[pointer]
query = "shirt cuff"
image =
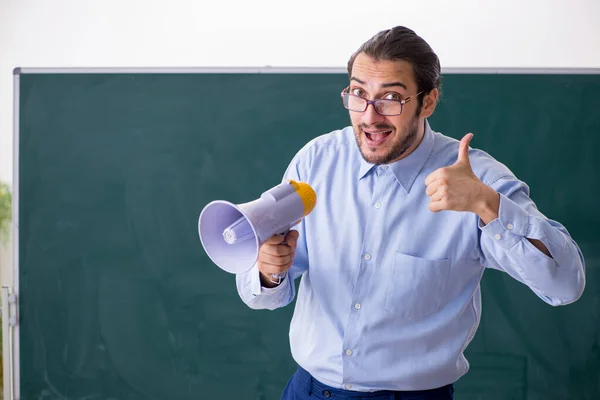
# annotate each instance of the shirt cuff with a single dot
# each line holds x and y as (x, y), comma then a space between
(257, 289)
(511, 225)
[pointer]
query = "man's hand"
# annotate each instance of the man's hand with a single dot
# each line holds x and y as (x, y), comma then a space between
(275, 257)
(457, 188)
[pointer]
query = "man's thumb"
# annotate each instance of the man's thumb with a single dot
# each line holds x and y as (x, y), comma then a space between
(463, 149)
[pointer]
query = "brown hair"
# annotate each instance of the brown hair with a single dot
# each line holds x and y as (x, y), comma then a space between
(401, 43)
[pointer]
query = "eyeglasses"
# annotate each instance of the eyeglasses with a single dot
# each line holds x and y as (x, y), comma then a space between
(385, 107)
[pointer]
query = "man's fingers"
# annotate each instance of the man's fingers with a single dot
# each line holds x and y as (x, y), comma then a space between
(431, 177)
(438, 195)
(278, 250)
(436, 206)
(292, 238)
(438, 174)
(273, 269)
(463, 149)
(432, 188)
(276, 260)
(275, 239)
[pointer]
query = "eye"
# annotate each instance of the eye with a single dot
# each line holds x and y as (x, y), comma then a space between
(357, 92)
(392, 96)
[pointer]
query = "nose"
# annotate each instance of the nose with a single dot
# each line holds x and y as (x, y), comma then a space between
(371, 117)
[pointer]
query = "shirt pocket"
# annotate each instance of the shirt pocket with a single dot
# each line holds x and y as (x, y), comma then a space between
(416, 286)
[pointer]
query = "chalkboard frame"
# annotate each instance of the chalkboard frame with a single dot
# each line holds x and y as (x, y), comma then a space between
(11, 364)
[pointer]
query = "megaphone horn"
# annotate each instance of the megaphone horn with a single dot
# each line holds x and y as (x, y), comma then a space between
(232, 234)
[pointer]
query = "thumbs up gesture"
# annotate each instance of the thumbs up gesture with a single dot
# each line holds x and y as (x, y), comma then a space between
(457, 188)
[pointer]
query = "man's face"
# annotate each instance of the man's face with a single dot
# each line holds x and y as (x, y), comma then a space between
(384, 139)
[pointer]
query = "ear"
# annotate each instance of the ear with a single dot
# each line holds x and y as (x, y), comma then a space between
(429, 102)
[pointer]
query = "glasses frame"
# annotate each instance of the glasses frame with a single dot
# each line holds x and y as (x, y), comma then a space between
(374, 102)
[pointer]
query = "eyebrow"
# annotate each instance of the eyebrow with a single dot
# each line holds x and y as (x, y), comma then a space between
(383, 85)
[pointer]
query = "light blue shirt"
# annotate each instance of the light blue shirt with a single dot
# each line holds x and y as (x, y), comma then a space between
(390, 292)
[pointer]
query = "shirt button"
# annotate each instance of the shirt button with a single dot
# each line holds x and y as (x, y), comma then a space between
(348, 386)
(348, 352)
(384, 167)
(326, 393)
(497, 236)
(377, 205)
(509, 226)
(357, 306)
(367, 256)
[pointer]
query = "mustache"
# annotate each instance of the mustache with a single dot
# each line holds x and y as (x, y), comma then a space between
(376, 127)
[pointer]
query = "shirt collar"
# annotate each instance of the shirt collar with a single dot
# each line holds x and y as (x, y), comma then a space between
(406, 169)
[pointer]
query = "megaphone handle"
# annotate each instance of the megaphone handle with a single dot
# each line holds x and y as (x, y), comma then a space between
(277, 278)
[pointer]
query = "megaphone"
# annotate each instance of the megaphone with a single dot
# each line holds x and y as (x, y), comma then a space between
(232, 234)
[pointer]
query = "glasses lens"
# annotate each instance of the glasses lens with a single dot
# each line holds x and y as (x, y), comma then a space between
(388, 107)
(354, 103)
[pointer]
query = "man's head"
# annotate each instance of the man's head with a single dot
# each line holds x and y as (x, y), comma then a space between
(395, 64)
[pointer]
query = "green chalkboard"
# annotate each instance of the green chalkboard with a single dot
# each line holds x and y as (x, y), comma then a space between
(118, 299)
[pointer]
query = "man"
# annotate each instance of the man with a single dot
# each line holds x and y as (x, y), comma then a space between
(406, 221)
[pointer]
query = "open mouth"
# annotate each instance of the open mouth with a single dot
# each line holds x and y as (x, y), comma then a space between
(376, 138)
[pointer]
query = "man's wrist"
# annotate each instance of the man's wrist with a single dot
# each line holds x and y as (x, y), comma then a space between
(489, 205)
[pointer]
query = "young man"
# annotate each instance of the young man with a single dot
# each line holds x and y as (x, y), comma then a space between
(406, 221)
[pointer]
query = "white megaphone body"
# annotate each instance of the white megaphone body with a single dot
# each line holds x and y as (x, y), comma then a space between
(232, 234)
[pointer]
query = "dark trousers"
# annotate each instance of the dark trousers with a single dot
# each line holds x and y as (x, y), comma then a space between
(302, 386)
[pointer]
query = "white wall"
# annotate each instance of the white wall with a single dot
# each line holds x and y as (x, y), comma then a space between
(139, 33)
(465, 33)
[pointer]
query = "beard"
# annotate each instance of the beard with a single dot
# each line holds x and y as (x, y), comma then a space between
(397, 149)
